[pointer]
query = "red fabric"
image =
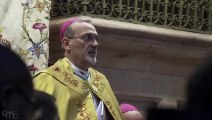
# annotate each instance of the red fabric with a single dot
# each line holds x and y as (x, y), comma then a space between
(65, 25)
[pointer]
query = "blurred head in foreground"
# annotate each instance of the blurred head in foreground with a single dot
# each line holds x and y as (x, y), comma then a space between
(16, 87)
(130, 112)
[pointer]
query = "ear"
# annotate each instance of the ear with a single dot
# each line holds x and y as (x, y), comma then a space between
(5, 94)
(66, 43)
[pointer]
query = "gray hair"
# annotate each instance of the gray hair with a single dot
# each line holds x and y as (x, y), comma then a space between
(69, 32)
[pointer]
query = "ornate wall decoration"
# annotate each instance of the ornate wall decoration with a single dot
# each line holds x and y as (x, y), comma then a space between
(25, 25)
(189, 15)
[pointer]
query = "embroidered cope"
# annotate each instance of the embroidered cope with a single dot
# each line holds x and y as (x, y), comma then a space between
(78, 99)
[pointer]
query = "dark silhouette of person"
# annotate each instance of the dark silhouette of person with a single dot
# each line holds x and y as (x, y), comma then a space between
(16, 87)
(199, 92)
(44, 107)
(198, 104)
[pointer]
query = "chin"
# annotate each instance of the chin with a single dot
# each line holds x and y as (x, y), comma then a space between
(91, 60)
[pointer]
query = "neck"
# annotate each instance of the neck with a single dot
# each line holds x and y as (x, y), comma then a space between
(80, 65)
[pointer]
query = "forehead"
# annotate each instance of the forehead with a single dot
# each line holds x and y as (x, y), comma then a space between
(83, 27)
(133, 114)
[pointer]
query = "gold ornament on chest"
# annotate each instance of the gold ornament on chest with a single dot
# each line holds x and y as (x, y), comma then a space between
(68, 78)
(81, 111)
(57, 69)
(98, 84)
(86, 88)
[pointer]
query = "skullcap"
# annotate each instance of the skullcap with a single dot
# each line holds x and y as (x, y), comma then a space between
(127, 107)
(66, 25)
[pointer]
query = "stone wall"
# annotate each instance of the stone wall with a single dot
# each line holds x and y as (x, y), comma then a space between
(146, 66)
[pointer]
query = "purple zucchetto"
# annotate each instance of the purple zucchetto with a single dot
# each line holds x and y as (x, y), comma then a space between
(65, 25)
(127, 107)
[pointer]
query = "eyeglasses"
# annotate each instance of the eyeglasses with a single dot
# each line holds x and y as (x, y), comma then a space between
(87, 37)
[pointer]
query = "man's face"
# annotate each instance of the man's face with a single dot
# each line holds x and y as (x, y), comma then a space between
(83, 45)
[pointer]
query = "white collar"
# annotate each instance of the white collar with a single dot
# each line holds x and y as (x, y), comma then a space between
(81, 73)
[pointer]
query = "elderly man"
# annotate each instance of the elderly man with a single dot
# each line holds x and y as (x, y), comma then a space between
(81, 92)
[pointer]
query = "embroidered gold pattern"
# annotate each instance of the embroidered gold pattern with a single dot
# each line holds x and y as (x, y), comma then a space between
(81, 109)
(74, 83)
(67, 76)
(56, 69)
(97, 77)
(111, 109)
(86, 88)
(94, 88)
(98, 82)
(70, 79)
(40, 6)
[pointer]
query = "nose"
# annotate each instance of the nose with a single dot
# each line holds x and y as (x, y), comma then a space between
(95, 43)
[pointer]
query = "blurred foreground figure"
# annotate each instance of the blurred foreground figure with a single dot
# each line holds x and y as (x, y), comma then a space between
(199, 98)
(44, 107)
(16, 88)
(130, 112)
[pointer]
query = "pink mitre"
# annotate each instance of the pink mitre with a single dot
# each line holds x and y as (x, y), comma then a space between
(65, 25)
(127, 107)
